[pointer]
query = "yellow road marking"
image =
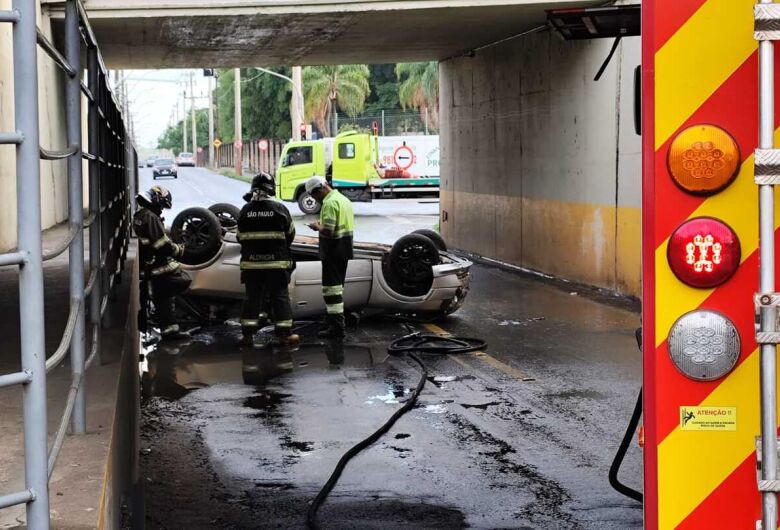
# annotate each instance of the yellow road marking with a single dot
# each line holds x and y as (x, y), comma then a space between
(492, 361)
(697, 59)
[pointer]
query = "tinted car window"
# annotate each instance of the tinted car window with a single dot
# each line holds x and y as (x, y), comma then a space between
(185, 155)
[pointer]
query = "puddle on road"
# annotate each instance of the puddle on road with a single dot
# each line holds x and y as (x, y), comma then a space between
(171, 370)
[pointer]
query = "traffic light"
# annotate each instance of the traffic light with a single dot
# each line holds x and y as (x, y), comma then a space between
(208, 72)
(303, 131)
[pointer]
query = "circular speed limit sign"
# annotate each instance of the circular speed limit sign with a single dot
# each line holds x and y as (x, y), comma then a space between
(403, 157)
(263, 145)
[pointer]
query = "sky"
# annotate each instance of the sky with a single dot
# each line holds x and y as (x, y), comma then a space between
(155, 100)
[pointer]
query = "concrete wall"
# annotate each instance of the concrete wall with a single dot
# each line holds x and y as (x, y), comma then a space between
(52, 129)
(540, 164)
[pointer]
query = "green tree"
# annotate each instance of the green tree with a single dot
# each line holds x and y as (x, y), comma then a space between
(265, 105)
(328, 89)
(384, 89)
(419, 89)
(171, 137)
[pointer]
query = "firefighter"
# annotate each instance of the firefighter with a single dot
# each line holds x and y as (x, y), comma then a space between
(337, 221)
(266, 231)
(159, 255)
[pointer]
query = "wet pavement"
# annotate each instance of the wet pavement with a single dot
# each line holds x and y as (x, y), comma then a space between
(381, 221)
(518, 436)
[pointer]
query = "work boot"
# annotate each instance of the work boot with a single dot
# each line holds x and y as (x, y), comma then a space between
(173, 332)
(285, 337)
(334, 328)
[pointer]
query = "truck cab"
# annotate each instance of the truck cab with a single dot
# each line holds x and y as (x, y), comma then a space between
(347, 161)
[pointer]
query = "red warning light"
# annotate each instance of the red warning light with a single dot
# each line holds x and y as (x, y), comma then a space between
(704, 252)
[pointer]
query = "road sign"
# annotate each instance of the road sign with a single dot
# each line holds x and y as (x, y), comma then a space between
(200, 149)
(403, 158)
(263, 145)
(238, 143)
(217, 143)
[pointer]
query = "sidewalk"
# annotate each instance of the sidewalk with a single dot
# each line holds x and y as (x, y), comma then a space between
(83, 486)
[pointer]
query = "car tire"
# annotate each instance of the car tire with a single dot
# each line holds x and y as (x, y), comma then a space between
(199, 231)
(412, 259)
(227, 214)
(308, 204)
(434, 236)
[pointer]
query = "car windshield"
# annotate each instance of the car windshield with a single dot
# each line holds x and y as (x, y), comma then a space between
(164, 162)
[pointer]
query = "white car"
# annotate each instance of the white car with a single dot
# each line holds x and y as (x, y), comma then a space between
(185, 159)
(417, 275)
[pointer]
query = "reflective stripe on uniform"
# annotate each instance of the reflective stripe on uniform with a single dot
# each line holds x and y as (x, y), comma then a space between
(170, 267)
(338, 234)
(160, 242)
(284, 324)
(335, 309)
(332, 290)
(250, 322)
(255, 265)
(246, 236)
(144, 241)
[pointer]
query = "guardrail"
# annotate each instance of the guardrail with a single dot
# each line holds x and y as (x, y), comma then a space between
(112, 182)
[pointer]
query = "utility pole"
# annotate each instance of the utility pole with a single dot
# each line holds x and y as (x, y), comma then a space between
(184, 120)
(211, 125)
(192, 111)
(297, 102)
(237, 142)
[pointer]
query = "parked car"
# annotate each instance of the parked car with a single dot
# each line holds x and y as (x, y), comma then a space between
(164, 167)
(185, 159)
(416, 275)
(150, 161)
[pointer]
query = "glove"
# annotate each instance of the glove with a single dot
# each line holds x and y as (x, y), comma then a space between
(247, 196)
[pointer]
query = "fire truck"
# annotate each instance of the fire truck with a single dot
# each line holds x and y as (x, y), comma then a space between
(710, 304)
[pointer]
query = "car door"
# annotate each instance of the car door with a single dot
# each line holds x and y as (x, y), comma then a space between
(306, 287)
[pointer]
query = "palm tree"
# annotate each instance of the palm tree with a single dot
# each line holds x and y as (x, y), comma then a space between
(330, 88)
(419, 89)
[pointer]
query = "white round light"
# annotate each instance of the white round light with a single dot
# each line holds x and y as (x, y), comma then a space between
(704, 345)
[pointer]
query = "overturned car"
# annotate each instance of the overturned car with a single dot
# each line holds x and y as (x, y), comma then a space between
(416, 275)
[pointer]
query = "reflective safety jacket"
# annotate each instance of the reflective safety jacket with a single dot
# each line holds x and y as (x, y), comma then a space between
(265, 231)
(338, 218)
(158, 253)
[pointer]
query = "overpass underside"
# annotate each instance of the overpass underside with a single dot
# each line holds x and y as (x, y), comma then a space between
(233, 33)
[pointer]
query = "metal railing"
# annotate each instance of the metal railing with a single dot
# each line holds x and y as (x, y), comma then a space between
(112, 179)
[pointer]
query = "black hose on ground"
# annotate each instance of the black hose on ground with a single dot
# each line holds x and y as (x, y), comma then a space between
(414, 342)
(624, 444)
(621, 453)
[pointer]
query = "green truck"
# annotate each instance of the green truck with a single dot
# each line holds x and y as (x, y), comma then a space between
(351, 163)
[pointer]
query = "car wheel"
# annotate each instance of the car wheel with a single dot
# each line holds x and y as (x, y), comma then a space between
(308, 204)
(412, 258)
(227, 215)
(434, 236)
(199, 231)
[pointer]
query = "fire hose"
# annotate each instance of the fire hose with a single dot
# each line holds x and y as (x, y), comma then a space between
(409, 344)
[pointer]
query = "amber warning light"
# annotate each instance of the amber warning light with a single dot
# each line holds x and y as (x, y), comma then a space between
(704, 252)
(703, 159)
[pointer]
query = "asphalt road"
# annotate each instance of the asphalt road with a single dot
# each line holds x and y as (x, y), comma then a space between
(518, 436)
(381, 221)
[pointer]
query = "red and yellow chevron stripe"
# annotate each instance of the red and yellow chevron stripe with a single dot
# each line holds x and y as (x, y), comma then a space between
(699, 66)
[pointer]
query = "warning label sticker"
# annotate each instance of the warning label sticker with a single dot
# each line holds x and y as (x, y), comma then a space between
(708, 418)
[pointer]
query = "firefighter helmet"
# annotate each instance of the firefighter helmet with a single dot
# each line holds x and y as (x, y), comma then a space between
(157, 197)
(264, 182)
